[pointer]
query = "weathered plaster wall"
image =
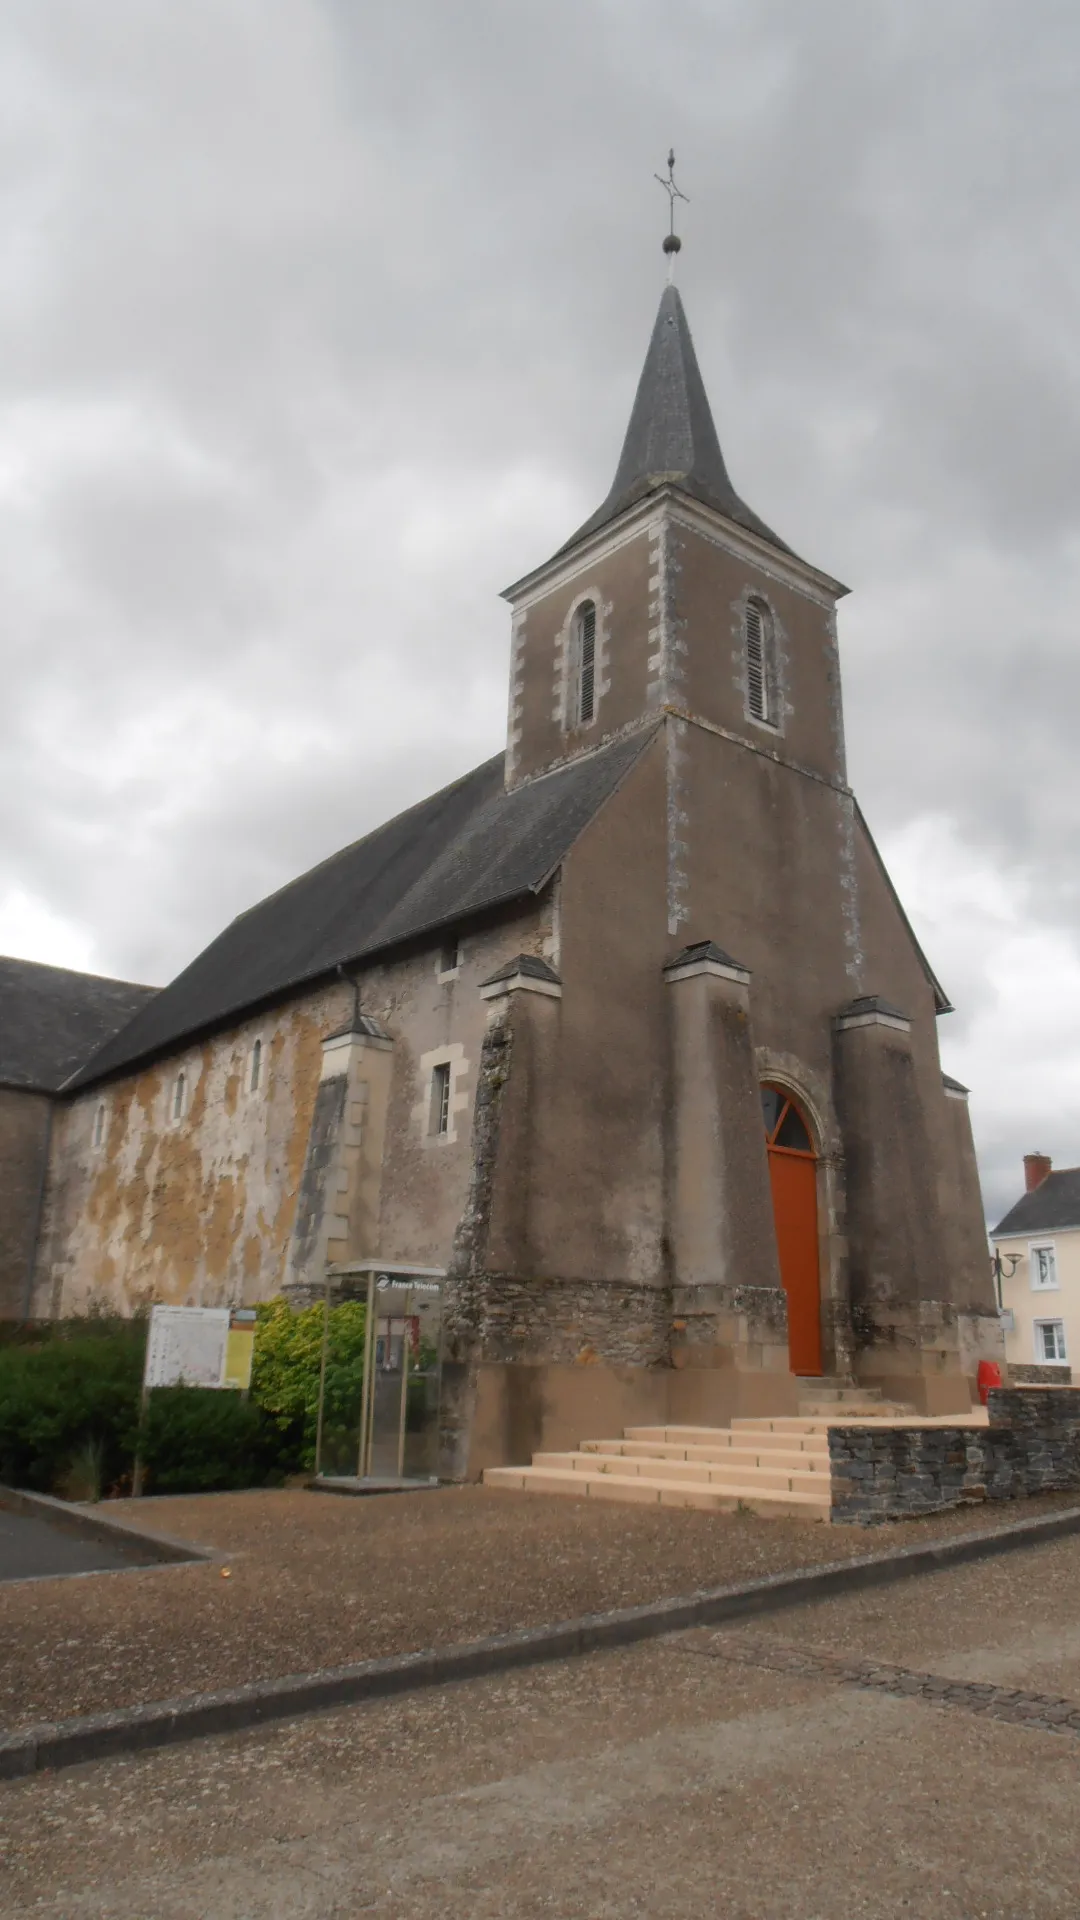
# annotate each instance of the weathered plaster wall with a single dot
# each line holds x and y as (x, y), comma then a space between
(195, 1210)
(24, 1134)
(434, 1019)
(200, 1209)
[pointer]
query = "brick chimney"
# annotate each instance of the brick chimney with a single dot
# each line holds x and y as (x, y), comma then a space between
(1036, 1168)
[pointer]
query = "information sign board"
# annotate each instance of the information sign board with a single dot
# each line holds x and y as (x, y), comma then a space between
(186, 1347)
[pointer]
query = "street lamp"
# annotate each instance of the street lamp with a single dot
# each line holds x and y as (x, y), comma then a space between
(1000, 1271)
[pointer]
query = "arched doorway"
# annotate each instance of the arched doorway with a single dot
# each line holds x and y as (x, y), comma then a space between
(793, 1178)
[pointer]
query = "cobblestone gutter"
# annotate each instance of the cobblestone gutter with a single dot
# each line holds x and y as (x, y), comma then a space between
(1032, 1445)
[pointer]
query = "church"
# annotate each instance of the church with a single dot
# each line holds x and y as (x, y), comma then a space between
(625, 1032)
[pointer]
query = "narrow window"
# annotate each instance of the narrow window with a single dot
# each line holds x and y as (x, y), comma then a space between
(1050, 1340)
(450, 954)
(178, 1097)
(1043, 1269)
(440, 1099)
(757, 661)
(256, 1066)
(586, 653)
(99, 1126)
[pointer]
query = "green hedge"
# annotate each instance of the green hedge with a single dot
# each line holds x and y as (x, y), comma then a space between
(205, 1440)
(69, 1407)
(74, 1390)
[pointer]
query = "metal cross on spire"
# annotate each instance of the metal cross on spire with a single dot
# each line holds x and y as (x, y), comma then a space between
(672, 243)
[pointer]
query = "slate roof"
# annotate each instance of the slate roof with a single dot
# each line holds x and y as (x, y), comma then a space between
(672, 438)
(528, 964)
(1055, 1203)
(471, 847)
(51, 1020)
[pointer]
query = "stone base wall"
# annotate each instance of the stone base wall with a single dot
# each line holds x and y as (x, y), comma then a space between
(1021, 1376)
(561, 1321)
(1032, 1445)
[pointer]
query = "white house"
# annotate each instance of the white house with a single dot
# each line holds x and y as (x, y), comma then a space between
(1038, 1242)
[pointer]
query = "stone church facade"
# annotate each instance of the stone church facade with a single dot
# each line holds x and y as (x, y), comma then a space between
(626, 1030)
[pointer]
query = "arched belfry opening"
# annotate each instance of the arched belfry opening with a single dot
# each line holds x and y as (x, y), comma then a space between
(793, 1180)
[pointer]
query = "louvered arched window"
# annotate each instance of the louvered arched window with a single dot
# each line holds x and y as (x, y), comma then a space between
(585, 650)
(757, 628)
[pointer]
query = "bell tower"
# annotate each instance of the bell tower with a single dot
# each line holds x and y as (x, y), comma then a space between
(674, 598)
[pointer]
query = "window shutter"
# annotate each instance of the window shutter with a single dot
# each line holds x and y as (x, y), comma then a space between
(756, 682)
(587, 643)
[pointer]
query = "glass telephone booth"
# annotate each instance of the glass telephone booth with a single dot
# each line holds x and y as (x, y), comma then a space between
(378, 1418)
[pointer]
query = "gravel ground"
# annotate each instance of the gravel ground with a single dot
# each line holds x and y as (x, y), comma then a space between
(314, 1581)
(626, 1785)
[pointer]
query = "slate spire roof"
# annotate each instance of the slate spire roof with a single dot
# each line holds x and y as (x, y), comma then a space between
(672, 438)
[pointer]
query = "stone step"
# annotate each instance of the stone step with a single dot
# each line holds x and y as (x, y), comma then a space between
(850, 1410)
(736, 1472)
(813, 1438)
(837, 1390)
(658, 1491)
(789, 1425)
(811, 1458)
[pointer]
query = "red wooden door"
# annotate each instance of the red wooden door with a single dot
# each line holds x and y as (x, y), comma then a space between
(793, 1178)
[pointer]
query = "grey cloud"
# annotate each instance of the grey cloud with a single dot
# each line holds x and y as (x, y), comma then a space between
(321, 320)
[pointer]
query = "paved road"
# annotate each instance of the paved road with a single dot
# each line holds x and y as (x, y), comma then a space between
(761, 1774)
(30, 1547)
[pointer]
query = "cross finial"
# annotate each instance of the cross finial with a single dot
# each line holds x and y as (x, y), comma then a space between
(672, 243)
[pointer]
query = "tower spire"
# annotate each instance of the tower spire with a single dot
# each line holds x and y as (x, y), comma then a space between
(671, 439)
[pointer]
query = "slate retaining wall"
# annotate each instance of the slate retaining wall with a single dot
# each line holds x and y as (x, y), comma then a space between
(1032, 1445)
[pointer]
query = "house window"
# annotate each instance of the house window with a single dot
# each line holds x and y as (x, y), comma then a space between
(757, 628)
(450, 954)
(585, 660)
(179, 1095)
(256, 1067)
(1043, 1265)
(99, 1126)
(440, 1099)
(1049, 1341)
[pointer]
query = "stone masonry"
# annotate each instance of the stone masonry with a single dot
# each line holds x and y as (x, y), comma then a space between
(1032, 1445)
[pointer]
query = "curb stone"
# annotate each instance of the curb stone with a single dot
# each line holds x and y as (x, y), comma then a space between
(68, 1518)
(163, 1723)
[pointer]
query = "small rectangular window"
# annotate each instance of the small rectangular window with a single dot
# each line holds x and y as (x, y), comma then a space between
(99, 1126)
(1043, 1262)
(1050, 1341)
(256, 1067)
(450, 954)
(179, 1090)
(440, 1099)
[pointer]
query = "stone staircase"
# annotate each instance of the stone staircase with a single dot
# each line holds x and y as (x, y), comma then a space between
(770, 1465)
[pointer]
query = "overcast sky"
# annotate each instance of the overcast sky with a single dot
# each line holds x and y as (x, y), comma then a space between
(320, 321)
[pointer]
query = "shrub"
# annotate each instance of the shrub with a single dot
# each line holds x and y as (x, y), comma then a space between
(285, 1377)
(205, 1440)
(70, 1391)
(69, 1407)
